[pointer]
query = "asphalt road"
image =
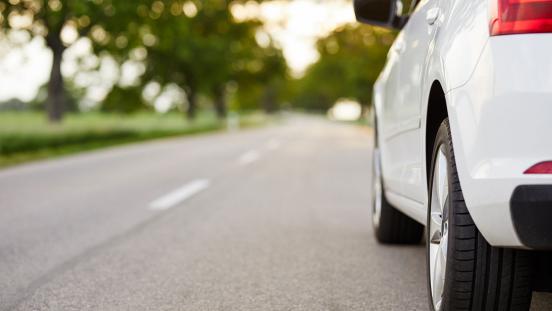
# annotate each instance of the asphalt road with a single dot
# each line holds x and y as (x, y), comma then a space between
(267, 219)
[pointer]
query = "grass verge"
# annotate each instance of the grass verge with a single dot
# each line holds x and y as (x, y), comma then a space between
(27, 136)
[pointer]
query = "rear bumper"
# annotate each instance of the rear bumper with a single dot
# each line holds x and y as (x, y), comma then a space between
(501, 121)
(531, 209)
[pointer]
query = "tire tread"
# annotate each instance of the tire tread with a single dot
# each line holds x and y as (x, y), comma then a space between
(480, 277)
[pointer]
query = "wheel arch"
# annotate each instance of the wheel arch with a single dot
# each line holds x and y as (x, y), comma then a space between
(436, 113)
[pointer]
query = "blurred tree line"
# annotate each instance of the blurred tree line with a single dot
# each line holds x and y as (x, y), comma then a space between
(198, 48)
(194, 45)
(351, 58)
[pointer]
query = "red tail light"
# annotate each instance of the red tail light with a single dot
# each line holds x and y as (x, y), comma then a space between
(521, 16)
(540, 168)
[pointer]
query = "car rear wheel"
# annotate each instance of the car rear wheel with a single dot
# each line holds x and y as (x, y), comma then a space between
(390, 225)
(464, 271)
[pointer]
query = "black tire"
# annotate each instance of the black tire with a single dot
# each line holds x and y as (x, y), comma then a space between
(392, 226)
(477, 275)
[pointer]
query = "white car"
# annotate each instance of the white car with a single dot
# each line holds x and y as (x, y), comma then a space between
(463, 113)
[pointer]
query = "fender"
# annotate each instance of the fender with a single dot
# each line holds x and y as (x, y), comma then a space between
(460, 49)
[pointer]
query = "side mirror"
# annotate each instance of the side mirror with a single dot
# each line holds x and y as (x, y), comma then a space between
(382, 13)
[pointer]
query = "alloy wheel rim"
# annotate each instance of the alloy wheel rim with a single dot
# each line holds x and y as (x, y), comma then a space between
(376, 190)
(438, 228)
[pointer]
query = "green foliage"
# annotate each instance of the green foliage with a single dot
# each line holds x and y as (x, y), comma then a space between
(351, 59)
(24, 132)
(28, 135)
(196, 45)
(73, 94)
(124, 100)
(48, 19)
(263, 85)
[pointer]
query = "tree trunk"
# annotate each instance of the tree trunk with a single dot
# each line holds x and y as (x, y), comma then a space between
(220, 102)
(192, 105)
(55, 103)
(269, 99)
(365, 107)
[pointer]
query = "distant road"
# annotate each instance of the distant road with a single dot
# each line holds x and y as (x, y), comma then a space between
(267, 219)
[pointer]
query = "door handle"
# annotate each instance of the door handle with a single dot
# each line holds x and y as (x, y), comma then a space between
(398, 47)
(432, 15)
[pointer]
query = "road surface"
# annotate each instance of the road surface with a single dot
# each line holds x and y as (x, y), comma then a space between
(267, 219)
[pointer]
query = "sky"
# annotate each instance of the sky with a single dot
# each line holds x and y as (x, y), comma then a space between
(295, 26)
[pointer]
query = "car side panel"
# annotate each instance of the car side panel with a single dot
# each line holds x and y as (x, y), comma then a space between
(419, 42)
(452, 58)
(388, 115)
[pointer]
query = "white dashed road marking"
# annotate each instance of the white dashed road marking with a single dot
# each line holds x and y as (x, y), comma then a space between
(179, 195)
(249, 157)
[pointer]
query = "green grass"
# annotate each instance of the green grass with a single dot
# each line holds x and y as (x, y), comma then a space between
(26, 136)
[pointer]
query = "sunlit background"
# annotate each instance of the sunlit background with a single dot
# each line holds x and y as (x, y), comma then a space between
(294, 25)
(207, 61)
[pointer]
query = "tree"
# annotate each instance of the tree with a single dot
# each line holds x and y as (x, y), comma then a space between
(124, 100)
(351, 59)
(196, 45)
(50, 19)
(262, 80)
(199, 46)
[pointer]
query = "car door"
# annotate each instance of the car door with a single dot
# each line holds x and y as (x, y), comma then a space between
(419, 34)
(390, 117)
